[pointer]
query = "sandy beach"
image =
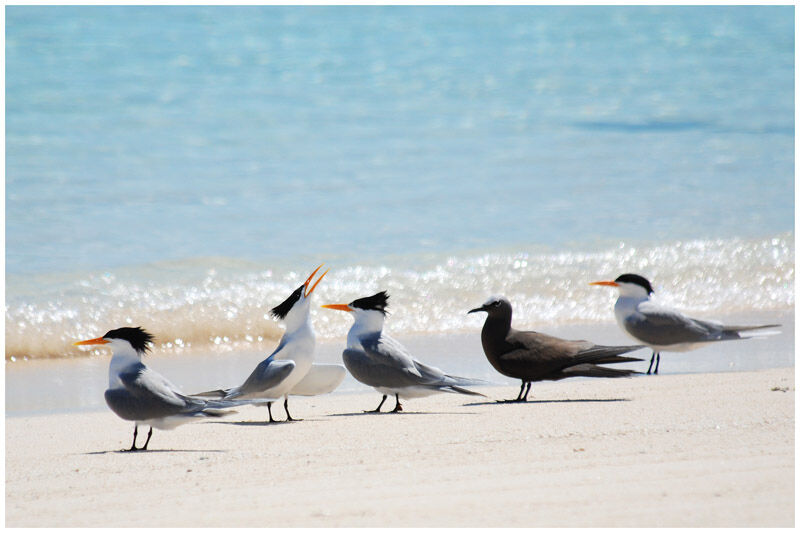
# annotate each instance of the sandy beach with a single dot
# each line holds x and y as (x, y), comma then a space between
(675, 450)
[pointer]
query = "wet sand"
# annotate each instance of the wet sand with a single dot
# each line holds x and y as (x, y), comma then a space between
(711, 449)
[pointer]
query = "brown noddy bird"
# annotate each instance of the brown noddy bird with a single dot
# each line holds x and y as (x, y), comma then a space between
(532, 356)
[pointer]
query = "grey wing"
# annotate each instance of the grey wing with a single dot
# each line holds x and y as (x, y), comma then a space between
(145, 394)
(268, 374)
(660, 326)
(382, 364)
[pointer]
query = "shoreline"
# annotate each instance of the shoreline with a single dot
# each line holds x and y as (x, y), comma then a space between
(77, 385)
(668, 450)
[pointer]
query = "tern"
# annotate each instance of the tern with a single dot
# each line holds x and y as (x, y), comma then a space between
(142, 395)
(377, 360)
(531, 356)
(661, 328)
(290, 369)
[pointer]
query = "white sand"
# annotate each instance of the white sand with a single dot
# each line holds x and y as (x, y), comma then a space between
(675, 450)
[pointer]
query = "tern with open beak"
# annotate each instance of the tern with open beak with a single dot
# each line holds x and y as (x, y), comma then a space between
(290, 370)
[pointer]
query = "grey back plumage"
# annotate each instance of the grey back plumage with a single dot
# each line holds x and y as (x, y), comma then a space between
(658, 326)
(267, 374)
(384, 362)
(146, 395)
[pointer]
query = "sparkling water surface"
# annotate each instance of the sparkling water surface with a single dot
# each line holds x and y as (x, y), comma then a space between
(182, 168)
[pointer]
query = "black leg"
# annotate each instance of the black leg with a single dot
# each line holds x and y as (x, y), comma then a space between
(286, 408)
(397, 407)
(378, 409)
(658, 361)
(269, 408)
(521, 388)
(133, 447)
(525, 398)
(651, 364)
(149, 434)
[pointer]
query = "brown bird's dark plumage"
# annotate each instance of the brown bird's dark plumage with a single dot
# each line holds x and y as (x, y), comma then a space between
(531, 356)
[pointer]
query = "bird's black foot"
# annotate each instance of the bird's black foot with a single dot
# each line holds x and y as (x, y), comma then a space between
(288, 416)
(378, 409)
(397, 407)
(658, 362)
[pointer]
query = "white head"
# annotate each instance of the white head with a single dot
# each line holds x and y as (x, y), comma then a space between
(630, 286)
(132, 342)
(368, 313)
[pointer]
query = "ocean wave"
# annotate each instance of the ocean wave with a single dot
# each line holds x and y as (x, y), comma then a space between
(223, 303)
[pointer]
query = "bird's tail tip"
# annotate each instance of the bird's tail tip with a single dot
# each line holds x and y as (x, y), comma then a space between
(215, 412)
(462, 390)
(219, 393)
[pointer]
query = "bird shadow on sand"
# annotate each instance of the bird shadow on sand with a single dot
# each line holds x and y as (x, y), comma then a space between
(137, 452)
(259, 423)
(573, 400)
(402, 413)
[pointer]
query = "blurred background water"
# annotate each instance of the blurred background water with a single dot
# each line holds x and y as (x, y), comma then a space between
(182, 168)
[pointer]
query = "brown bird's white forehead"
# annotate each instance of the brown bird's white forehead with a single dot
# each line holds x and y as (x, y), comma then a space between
(636, 279)
(280, 311)
(137, 337)
(376, 302)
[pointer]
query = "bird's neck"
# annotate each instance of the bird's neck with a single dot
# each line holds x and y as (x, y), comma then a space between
(298, 342)
(296, 322)
(120, 360)
(366, 323)
(493, 337)
(629, 302)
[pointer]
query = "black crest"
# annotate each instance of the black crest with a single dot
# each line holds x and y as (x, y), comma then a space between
(636, 279)
(139, 338)
(283, 309)
(376, 302)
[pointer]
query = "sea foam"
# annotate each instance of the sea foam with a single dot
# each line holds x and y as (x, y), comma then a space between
(223, 304)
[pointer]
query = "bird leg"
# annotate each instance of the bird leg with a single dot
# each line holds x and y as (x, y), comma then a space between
(397, 407)
(521, 388)
(149, 434)
(269, 408)
(520, 397)
(658, 361)
(651, 364)
(133, 447)
(378, 409)
(286, 408)
(525, 398)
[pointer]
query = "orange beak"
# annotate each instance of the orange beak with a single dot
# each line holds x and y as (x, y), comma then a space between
(98, 340)
(338, 307)
(605, 283)
(308, 281)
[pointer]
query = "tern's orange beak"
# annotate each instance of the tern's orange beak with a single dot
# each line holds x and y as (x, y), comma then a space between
(605, 283)
(98, 340)
(308, 281)
(338, 307)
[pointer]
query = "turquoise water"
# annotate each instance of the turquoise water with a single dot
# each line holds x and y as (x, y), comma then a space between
(188, 165)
